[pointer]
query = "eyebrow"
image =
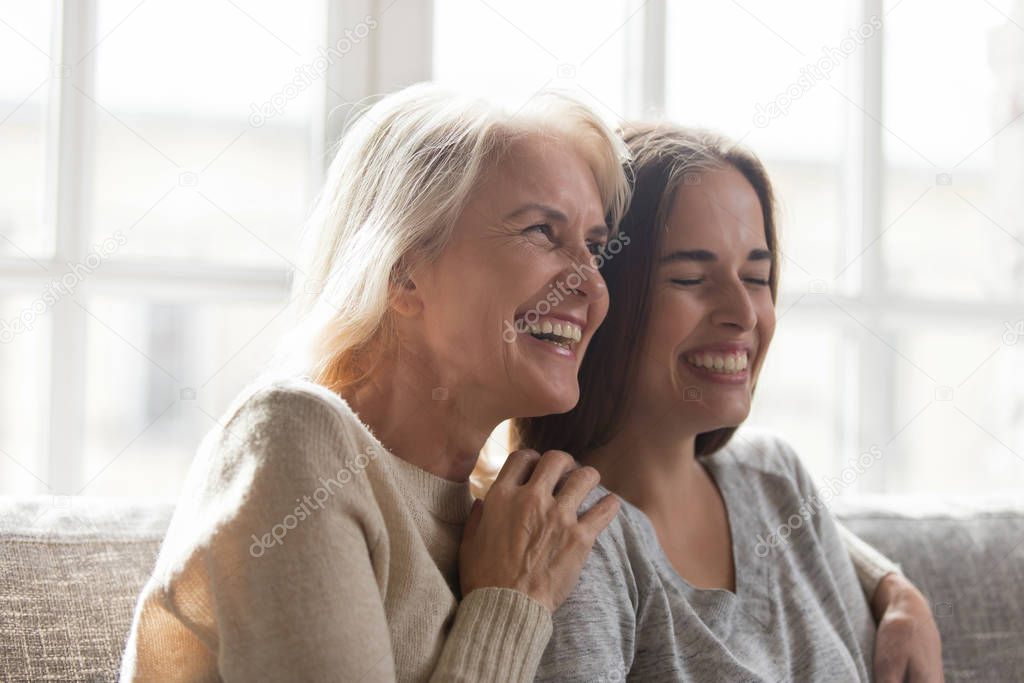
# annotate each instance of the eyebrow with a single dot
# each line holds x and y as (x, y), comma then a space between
(703, 255)
(553, 214)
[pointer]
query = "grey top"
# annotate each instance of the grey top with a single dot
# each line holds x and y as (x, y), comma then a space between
(798, 613)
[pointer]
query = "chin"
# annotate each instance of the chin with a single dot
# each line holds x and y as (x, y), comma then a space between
(554, 403)
(724, 417)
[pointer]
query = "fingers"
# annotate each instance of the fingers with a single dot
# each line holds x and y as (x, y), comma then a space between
(533, 512)
(598, 517)
(555, 473)
(517, 468)
(577, 484)
(551, 467)
(473, 521)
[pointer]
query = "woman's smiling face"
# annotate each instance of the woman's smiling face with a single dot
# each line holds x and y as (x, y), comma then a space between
(520, 253)
(712, 315)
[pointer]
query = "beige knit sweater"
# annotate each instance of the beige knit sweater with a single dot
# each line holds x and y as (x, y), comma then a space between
(302, 549)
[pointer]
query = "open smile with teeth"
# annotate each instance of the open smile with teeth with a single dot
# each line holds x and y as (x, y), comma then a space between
(724, 363)
(559, 332)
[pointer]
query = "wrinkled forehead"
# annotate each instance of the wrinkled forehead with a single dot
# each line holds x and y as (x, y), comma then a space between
(541, 169)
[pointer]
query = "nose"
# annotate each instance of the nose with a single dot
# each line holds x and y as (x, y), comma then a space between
(734, 308)
(582, 276)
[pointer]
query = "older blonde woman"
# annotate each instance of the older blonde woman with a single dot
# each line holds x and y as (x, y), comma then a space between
(318, 535)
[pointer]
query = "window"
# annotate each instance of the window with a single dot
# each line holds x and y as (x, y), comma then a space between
(509, 51)
(150, 231)
(895, 151)
(896, 158)
(157, 168)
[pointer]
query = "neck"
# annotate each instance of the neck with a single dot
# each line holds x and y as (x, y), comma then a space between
(651, 463)
(423, 418)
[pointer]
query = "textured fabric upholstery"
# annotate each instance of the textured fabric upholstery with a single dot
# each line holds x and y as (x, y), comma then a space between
(968, 559)
(70, 572)
(71, 569)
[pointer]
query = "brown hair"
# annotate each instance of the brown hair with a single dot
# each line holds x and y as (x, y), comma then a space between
(664, 157)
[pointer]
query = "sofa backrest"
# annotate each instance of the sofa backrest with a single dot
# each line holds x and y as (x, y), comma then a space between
(967, 557)
(71, 569)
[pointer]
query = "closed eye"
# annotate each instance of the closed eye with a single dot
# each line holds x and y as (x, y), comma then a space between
(751, 280)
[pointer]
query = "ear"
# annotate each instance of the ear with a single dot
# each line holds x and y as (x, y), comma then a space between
(406, 299)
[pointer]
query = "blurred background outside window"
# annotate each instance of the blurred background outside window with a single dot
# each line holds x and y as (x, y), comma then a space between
(157, 161)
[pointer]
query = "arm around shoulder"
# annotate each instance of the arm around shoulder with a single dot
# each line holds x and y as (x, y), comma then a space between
(871, 565)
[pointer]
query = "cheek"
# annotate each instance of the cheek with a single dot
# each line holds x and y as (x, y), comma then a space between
(598, 312)
(766, 323)
(475, 300)
(673, 320)
(461, 303)
(765, 333)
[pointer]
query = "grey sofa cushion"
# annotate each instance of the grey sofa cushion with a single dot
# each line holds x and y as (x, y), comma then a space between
(968, 559)
(70, 571)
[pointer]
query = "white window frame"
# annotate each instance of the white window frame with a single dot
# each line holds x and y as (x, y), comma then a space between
(862, 303)
(396, 54)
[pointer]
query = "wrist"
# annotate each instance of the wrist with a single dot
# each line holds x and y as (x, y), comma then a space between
(525, 587)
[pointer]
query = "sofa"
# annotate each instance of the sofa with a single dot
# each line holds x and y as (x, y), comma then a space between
(71, 568)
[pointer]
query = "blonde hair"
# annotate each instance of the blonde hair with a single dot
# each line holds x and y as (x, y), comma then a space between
(402, 175)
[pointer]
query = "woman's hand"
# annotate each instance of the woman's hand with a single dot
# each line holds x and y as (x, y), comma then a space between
(907, 643)
(527, 535)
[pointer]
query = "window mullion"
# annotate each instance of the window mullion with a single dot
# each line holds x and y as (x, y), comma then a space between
(655, 71)
(875, 417)
(644, 56)
(68, 201)
(396, 51)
